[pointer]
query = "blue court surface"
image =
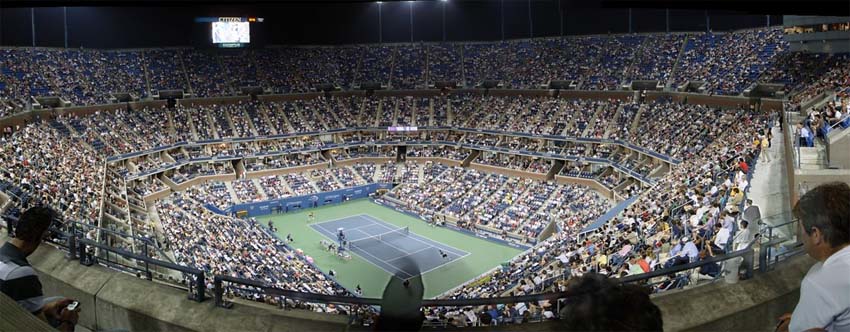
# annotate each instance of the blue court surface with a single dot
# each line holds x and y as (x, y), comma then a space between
(404, 255)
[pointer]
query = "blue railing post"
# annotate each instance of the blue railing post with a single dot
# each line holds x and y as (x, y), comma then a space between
(200, 285)
(218, 292)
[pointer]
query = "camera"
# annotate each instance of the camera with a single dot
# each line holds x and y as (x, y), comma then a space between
(73, 306)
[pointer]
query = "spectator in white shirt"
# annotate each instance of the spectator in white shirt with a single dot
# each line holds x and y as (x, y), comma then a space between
(742, 238)
(824, 214)
(721, 237)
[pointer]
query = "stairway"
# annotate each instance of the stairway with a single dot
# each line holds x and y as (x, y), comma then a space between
(670, 79)
(256, 183)
(636, 121)
(612, 125)
(230, 191)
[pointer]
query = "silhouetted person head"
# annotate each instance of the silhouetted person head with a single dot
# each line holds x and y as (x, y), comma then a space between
(602, 304)
(32, 228)
(402, 300)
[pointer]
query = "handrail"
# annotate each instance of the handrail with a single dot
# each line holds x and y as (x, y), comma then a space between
(783, 224)
(768, 246)
(146, 240)
(199, 284)
(218, 288)
(683, 267)
(838, 123)
(796, 149)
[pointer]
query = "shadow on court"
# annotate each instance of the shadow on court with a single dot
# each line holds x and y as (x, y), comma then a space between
(401, 302)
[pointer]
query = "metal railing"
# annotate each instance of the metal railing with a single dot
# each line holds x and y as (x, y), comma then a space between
(196, 282)
(79, 249)
(76, 226)
(743, 253)
(772, 240)
(240, 285)
(82, 249)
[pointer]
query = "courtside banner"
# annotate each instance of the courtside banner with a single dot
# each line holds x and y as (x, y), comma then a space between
(291, 204)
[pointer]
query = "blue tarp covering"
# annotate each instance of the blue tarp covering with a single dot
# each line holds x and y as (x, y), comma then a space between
(610, 214)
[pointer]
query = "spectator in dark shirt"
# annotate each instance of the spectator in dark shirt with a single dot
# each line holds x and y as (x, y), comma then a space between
(18, 279)
(600, 304)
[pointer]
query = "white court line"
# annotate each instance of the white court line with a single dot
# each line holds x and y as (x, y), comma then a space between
(444, 264)
(355, 228)
(459, 252)
(430, 245)
(385, 242)
(410, 254)
(337, 219)
(320, 224)
(381, 223)
(373, 256)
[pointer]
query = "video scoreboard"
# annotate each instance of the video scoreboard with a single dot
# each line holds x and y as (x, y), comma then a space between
(229, 32)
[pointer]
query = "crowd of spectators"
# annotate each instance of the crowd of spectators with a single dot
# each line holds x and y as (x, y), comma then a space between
(728, 63)
(444, 64)
(797, 70)
(300, 184)
(206, 74)
(375, 65)
(211, 242)
(648, 235)
(246, 191)
(48, 162)
(40, 165)
(408, 67)
(655, 58)
(437, 152)
(836, 78)
(681, 130)
(275, 187)
(165, 70)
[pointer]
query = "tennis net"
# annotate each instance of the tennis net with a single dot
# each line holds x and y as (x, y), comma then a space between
(396, 233)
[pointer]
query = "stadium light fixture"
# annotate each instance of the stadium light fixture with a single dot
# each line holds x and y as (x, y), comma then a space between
(444, 0)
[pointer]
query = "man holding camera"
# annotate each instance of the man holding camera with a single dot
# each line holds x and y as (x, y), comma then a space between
(18, 279)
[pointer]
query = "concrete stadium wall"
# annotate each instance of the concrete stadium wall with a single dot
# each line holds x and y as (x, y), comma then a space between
(507, 171)
(210, 101)
(813, 178)
(772, 105)
(601, 189)
(750, 305)
(789, 163)
(13, 317)
(702, 99)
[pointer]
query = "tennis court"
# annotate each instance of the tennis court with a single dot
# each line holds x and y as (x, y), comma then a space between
(396, 250)
(468, 256)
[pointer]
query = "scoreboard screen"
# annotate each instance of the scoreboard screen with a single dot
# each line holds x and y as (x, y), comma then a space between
(229, 32)
(401, 129)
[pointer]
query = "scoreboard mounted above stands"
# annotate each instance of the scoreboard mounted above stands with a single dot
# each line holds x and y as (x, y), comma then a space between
(402, 129)
(229, 19)
(229, 32)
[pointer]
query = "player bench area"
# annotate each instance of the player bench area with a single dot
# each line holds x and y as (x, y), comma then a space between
(397, 251)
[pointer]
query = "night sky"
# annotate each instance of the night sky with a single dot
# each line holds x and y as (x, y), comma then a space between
(345, 23)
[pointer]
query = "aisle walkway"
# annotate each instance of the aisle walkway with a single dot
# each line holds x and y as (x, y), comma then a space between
(769, 188)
